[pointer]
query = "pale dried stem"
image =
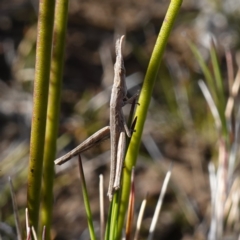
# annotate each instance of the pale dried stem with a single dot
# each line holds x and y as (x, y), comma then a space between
(140, 218)
(159, 204)
(101, 201)
(34, 233)
(233, 94)
(211, 105)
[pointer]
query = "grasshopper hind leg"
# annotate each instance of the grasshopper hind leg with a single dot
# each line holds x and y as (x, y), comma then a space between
(120, 159)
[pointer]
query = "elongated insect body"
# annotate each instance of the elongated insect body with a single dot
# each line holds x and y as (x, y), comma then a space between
(117, 130)
(118, 124)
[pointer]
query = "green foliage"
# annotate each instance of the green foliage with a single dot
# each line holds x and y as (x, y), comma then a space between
(41, 85)
(214, 81)
(59, 33)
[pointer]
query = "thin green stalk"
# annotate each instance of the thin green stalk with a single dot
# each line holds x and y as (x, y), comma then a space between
(144, 101)
(115, 214)
(215, 82)
(217, 75)
(41, 83)
(219, 89)
(59, 35)
(108, 225)
(208, 75)
(86, 201)
(130, 214)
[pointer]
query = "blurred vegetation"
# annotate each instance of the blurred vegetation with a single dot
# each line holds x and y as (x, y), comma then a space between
(179, 127)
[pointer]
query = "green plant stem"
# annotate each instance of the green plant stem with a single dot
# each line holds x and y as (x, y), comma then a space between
(59, 35)
(86, 201)
(219, 89)
(115, 214)
(214, 82)
(207, 74)
(108, 225)
(41, 83)
(144, 101)
(217, 75)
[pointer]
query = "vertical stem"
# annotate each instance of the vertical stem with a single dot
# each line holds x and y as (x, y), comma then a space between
(59, 34)
(144, 101)
(101, 201)
(86, 200)
(130, 214)
(41, 83)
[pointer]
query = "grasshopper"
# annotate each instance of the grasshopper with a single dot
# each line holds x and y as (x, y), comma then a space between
(118, 125)
(117, 129)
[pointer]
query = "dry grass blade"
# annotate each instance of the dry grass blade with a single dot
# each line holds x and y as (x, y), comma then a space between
(159, 204)
(130, 208)
(140, 218)
(101, 200)
(230, 71)
(29, 235)
(28, 229)
(234, 91)
(218, 183)
(232, 205)
(211, 104)
(221, 191)
(213, 182)
(232, 159)
(44, 233)
(34, 233)
(16, 216)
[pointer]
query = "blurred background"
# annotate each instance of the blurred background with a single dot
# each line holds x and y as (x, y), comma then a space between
(179, 127)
